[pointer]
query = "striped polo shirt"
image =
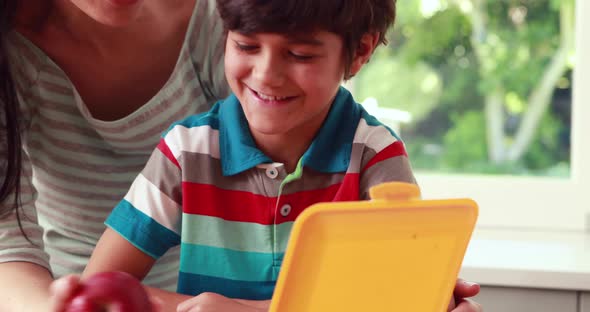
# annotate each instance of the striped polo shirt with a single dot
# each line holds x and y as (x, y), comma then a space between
(77, 168)
(209, 189)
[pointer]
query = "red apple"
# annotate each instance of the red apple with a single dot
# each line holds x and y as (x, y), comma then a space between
(110, 292)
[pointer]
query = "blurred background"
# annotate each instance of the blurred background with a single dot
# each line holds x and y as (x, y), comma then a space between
(477, 86)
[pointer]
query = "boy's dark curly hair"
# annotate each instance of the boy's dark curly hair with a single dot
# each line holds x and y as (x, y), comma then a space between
(350, 19)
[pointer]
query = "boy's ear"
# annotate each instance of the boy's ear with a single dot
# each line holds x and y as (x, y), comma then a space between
(367, 45)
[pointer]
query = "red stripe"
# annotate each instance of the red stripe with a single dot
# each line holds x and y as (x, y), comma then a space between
(393, 150)
(349, 189)
(163, 147)
(241, 206)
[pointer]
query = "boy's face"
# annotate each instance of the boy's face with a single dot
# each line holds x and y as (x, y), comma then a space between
(285, 84)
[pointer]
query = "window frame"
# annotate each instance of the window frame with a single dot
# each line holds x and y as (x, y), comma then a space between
(535, 202)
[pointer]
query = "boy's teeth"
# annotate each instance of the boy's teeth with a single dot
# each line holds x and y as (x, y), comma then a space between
(271, 98)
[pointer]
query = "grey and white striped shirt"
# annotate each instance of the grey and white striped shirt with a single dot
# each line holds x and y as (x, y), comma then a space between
(78, 168)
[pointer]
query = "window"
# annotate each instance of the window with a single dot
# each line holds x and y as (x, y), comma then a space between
(497, 92)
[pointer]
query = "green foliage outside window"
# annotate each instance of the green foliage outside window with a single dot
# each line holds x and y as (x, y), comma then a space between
(488, 84)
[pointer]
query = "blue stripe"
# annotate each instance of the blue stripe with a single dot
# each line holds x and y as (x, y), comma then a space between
(236, 145)
(230, 264)
(140, 230)
(330, 150)
(194, 284)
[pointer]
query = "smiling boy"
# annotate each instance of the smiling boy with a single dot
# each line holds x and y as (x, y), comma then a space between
(227, 185)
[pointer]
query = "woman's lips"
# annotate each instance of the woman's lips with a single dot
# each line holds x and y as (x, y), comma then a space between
(124, 2)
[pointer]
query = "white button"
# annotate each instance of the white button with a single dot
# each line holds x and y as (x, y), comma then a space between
(272, 172)
(285, 210)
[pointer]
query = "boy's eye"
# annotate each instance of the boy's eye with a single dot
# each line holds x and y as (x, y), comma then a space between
(245, 47)
(301, 57)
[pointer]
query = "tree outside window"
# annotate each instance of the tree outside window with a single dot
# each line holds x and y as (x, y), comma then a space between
(487, 83)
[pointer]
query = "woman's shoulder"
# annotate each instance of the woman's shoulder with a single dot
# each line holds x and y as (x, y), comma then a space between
(205, 44)
(26, 59)
(205, 29)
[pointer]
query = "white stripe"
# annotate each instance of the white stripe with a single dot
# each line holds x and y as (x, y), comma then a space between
(200, 140)
(374, 137)
(148, 199)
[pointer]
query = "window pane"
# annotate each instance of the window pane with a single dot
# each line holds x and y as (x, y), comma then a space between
(477, 86)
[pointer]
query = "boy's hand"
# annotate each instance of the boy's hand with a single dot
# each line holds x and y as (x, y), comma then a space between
(211, 302)
(464, 290)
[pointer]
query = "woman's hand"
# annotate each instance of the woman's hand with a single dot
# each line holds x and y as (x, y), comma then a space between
(459, 301)
(63, 289)
(211, 302)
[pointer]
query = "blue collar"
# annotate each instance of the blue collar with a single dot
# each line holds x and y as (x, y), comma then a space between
(329, 152)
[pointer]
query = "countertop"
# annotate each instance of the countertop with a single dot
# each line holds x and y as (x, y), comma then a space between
(530, 259)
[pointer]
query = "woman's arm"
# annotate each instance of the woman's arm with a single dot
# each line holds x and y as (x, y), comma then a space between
(23, 262)
(24, 287)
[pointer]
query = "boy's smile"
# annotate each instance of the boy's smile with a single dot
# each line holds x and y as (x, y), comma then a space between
(271, 99)
(285, 84)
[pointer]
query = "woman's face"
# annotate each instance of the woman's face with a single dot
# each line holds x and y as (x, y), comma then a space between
(110, 12)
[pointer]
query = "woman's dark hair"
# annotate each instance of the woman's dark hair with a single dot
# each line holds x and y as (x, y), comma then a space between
(350, 19)
(9, 131)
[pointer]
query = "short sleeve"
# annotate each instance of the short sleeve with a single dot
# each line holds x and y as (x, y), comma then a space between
(14, 244)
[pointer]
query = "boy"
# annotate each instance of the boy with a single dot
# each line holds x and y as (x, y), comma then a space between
(227, 185)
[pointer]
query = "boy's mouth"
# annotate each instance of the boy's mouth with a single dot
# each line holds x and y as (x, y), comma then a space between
(270, 97)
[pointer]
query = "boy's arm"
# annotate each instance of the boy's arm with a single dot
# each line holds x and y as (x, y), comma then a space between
(145, 224)
(215, 302)
(114, 253)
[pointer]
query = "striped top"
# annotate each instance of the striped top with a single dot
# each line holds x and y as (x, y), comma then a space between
(209, 189)
(77, 168)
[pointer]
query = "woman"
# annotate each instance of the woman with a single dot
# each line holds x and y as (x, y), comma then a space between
(97, 82)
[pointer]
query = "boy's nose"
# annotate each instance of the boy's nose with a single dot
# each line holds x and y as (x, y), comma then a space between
(270, 70)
